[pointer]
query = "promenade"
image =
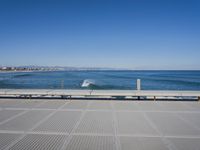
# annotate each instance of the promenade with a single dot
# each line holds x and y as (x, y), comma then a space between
(99, 125)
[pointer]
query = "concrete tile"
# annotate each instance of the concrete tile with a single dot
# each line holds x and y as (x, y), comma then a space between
(6, 139)
(194, 105)
(171, 125)
(125, 105)
(10, 103)
(40, 142)
(76, 104)
(134, 123)
(96, 122)
(6, 114)
(149, 105)
(193, 118)
(105, 105)
(186, 143)
(28, 103)
(142, 143)
(25, 121)
(175, 106)
(61, 121)
(51, 104)
(83, 142)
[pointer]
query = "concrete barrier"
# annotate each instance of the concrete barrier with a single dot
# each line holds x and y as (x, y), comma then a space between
(99, 93)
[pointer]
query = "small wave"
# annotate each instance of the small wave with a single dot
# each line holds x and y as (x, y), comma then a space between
(88, 83)
(22, 75)
(92, 84)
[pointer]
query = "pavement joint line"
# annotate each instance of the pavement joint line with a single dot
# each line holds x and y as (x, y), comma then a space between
(15, 141)
(17, 109)
(152, 123)
(168, 139)
(97, 134)
(104, 110)
(66, 103)
(115, 125)
(93, 134)
(99, 110)
(44, 119)
(71, 109)
(88, 105)
(26, 132)
(29, 109)
(159, 136)
(75, 110)
(74, 128)
(168, 143)
(33, 109)
(13, 132)
(185, 136)
(78, 109)
(139, 135)
(47, 133)
(15, 116)
(33, 132)
(61, 107)
(160, 111)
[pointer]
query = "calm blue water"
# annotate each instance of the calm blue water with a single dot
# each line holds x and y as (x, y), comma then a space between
(151, 80)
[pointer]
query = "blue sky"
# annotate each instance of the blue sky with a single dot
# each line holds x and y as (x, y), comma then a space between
(135, 34)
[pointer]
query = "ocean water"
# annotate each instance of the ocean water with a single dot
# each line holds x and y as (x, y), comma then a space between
(150, 80)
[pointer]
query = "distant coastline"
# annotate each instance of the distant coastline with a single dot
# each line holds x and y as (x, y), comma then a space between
(6, 69)
(19, 69)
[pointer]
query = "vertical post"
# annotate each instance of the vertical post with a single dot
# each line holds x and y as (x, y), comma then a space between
(138, 86)
(154, 98)
(199, 98)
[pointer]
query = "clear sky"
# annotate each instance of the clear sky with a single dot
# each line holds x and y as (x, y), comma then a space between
(135, 34)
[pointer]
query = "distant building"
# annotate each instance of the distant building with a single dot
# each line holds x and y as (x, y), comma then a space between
(6, 68)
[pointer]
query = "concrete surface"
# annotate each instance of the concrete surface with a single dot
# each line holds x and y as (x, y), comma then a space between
(68, 92)
(99, 125)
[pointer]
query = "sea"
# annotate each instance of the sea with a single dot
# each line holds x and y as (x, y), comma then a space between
(102, 80)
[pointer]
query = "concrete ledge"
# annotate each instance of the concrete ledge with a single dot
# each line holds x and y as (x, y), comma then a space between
(99, 93)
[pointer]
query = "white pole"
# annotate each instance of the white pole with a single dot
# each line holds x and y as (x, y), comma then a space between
(138, 84)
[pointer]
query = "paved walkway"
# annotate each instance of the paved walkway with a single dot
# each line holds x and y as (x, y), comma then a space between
(99, 125)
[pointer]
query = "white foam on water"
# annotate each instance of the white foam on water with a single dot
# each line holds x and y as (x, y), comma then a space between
(87, 83)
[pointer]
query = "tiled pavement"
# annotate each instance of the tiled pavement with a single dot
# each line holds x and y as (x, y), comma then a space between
(99, 125)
